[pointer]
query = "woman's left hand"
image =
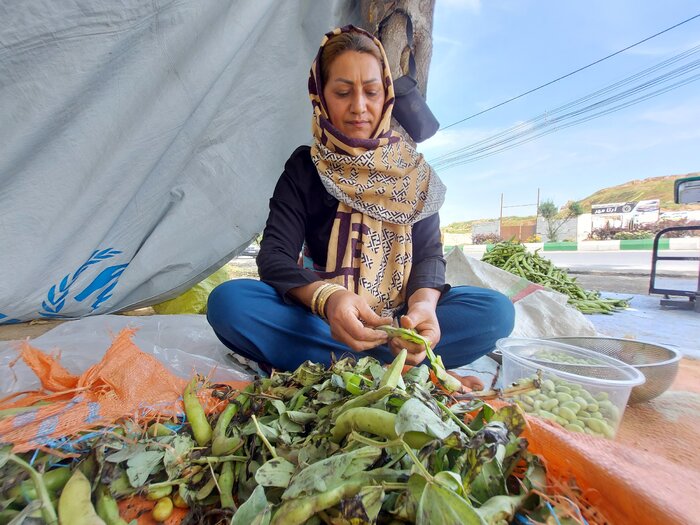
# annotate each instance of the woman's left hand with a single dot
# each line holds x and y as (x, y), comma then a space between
(422, 318)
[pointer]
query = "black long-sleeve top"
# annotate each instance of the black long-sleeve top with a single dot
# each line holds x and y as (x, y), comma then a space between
(302, 210)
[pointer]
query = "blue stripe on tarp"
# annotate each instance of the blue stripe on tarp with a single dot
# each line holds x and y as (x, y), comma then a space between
(24, 419)
(4, 319)
(93, 412)
(47, 427)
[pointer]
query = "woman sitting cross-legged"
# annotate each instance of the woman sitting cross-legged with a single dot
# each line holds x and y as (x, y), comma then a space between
(362, 205)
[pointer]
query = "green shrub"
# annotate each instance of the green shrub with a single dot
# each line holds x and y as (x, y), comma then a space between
(486, 238)
(631, 235)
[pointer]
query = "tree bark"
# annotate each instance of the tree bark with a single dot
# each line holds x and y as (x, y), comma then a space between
(393, 37)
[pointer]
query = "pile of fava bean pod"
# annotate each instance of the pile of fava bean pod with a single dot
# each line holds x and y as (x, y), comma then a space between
(354, 443)
(514, 258)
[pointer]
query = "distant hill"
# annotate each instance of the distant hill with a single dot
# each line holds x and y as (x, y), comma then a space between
(466, 226)
(635, 190)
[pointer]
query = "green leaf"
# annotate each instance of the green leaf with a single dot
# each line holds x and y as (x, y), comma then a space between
(337, 382)
(302, 418)
(328, 397)
(309, 373)
(417, 374)
(126, 453)
(416, 486)
(175, 455)
(276, 472)
(255, 511)
(286, 425)
(439, 506)
(512, 417)
(489, 482)
(492, 434)
(482, 418)
(330, 472)
(466, 407)
(279, 406)
(363, 507)
(414, 416)
(267, 430)
(406, 506)
(501, 509)
(140, 466)
(5, 453)
(317, 451)
(450, 480)
(376, 370)
(372, 498)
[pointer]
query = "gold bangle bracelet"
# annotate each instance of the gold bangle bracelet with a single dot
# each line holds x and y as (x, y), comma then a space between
(314, 298)
(325, 295)
(321, 307)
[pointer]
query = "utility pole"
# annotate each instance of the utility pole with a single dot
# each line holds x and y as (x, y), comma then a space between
(500, 218)
(537, 213)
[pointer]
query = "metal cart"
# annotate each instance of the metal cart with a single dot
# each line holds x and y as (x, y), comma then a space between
(686, 191)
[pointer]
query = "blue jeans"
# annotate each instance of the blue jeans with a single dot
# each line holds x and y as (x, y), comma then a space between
(250, 318)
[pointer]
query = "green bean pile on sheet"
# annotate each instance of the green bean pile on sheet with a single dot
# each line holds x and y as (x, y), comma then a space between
(514, 258)
(357, 443)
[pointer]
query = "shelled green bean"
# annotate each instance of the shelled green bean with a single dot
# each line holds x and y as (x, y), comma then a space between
(514, 258)
(573, 407)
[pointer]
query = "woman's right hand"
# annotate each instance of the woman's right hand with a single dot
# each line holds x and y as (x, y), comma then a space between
(351, 319)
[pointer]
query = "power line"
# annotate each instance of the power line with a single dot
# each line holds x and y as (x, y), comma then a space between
(572, 73)
(506, 145)
(440, 159)
(549, 123)
(483, 153)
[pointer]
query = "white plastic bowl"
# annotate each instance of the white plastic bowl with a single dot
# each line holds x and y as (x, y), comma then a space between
(582, 390)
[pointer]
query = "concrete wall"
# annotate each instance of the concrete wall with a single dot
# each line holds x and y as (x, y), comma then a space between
(485, 228)
(456, 239)
(583, 227)
(568, 230)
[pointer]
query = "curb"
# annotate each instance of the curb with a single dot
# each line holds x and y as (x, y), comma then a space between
(632, 272)
(684, 243)
(564, 246)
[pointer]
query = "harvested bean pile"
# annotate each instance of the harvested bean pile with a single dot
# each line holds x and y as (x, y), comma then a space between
(514, 258)
(355, 443)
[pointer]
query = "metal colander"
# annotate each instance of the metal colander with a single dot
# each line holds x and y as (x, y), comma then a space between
(659, 364)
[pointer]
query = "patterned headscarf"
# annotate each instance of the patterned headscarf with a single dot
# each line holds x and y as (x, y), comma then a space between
(383, 187)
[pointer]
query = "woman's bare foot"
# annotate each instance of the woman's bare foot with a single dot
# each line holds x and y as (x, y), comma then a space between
(469, 383)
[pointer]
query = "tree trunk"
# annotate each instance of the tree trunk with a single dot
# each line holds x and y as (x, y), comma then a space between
(393, 37)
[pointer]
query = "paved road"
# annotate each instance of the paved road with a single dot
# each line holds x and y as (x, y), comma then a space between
(628, 271)
(620, 272)
(625, 271)
(624, 261)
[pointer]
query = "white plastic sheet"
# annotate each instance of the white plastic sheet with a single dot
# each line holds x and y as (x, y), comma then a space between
(140, 142)
(185, 344)
(541, 313)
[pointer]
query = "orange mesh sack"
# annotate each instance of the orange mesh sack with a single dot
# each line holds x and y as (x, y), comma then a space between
(627, 485)
(125, 383)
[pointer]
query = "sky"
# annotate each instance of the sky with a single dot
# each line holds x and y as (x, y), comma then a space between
(487, 51)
